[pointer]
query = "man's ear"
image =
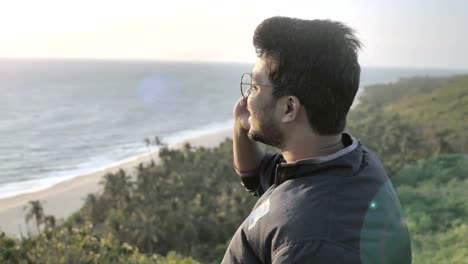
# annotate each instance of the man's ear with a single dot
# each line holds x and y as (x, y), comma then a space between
(291, 108)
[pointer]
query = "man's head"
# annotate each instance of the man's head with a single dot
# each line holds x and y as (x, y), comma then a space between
(310, 74)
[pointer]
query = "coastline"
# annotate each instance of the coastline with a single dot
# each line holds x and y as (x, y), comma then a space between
(65, 198)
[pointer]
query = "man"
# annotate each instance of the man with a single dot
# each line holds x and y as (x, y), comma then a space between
(324, 198)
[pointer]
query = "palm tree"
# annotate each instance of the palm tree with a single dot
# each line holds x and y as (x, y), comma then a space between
(117, 188)
(147, 141)
(158, 142)
(34, 210)
(94, 211)
(49, 221)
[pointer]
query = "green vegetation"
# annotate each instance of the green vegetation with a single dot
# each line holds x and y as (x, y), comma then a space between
(435, 202)
(78, 245)
(418, 128)
(192, 203)
(440, 115)
(413, 119)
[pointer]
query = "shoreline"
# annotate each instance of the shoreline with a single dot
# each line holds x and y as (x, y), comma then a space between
(66, 197)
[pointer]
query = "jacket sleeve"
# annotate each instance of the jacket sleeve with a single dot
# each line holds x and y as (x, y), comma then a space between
(260, 179)
(314, 252)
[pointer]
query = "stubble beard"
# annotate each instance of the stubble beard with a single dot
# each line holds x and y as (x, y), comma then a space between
(268, 132)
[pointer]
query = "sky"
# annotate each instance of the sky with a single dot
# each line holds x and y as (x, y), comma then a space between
(422, 34)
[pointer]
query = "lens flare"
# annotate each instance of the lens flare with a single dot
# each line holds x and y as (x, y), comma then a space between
(158, 91)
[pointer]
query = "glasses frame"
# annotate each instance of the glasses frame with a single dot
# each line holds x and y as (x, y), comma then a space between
(248, 90)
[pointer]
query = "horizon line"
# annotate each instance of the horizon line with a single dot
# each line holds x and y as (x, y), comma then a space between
(213, 62)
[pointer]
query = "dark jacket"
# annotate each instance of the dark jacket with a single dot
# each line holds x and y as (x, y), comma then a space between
(340, 208)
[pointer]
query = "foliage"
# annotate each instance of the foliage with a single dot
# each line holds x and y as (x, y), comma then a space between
(383, 94)
(434, 198)
(439, 116)
(394, 140)
(77, 245)
(412, 119)
(190, 201)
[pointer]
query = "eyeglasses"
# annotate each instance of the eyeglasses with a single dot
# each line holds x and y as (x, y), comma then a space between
(246, 84)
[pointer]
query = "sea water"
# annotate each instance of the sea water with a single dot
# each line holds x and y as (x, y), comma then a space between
(62, 118)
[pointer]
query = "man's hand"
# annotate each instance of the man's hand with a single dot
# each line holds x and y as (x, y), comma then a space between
(247, 154)
(241, 114)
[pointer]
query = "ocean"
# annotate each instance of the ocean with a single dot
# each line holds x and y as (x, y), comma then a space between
(63, 118)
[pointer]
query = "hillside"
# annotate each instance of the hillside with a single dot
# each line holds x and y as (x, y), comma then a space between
(192, 203)
(441, 113)
(413, 118)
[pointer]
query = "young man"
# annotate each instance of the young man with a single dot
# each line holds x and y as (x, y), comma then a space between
(324, 198)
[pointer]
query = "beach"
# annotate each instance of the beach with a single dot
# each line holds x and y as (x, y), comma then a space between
(66, 123)
(65, 198)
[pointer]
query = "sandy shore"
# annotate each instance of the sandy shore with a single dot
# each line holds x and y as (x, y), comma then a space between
(63, 199)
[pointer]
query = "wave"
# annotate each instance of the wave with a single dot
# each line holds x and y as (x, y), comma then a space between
(102, 162)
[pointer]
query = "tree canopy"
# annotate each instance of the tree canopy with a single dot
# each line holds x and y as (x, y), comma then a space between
(186, 208)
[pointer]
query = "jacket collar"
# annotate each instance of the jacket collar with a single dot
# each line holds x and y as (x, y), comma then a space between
(344, 162)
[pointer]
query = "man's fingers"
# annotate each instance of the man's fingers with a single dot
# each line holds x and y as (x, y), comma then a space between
(244, 121)
(242, 102)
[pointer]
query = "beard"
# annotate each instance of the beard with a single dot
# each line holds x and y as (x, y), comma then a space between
(267, 132)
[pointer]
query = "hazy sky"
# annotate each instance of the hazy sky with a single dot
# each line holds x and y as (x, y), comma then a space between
(412, 33)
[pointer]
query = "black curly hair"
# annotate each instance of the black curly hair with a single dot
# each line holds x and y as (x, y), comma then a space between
(315, 60)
